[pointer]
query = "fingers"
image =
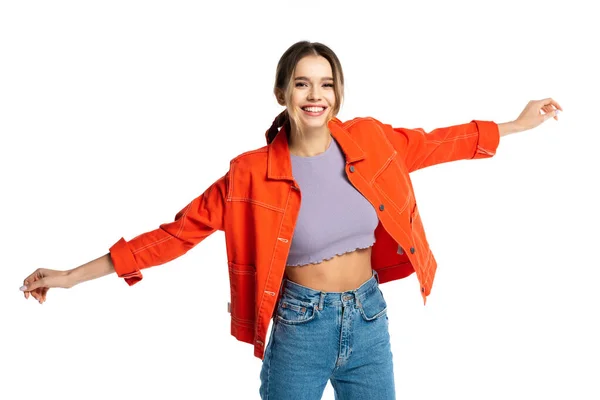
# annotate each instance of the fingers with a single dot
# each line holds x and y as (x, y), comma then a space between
(553, 113)
(24, 288)
(36, 285)
(44, 292)
(547, 102)
(33, 285)
(34, 293)
(37, 293)
(549, 111)
(549, 106)
(28, 290)
(31, 277)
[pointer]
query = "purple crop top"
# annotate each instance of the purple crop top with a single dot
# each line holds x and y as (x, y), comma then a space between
(334, 217)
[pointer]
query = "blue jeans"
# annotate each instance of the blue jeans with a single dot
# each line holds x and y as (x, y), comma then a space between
(338, 336)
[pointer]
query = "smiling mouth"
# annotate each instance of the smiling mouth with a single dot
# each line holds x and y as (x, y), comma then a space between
(314, 111)
(314, 108)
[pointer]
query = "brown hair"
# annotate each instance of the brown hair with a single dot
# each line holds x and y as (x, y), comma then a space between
(284, 82)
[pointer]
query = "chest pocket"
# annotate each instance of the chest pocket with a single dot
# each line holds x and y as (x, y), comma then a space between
(250, 187)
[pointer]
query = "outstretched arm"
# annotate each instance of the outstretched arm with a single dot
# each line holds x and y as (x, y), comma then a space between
(196, 221)
(200, 218)
(476, 139)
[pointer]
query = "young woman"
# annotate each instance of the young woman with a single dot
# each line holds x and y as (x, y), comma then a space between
(313, 223)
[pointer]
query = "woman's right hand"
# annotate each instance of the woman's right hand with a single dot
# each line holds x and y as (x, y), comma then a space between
(41, 280)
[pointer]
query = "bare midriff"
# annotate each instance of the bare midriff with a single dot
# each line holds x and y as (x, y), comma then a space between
(339, 274)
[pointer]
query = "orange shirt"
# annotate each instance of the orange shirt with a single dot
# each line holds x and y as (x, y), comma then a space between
(256, 204)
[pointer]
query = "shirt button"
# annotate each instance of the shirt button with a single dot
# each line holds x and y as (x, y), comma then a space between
(381, 207)
(352, 168)
(412, 250)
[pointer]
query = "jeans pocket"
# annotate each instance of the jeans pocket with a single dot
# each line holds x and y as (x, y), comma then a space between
(293, 312)
(373, 305)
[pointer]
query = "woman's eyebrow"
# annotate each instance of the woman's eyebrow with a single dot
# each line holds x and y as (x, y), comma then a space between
(306, 79)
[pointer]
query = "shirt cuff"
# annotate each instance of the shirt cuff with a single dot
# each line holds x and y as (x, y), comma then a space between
(124, 263)
(488, 140)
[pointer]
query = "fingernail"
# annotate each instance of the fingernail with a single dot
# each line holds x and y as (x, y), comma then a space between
(23, 288)
(557, 112)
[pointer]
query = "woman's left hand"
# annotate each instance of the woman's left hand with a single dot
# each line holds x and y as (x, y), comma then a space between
(532, 116)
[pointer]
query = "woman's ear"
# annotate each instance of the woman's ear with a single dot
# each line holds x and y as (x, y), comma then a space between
(280, 97)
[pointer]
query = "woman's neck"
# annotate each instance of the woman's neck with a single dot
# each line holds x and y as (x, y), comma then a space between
(311, 143)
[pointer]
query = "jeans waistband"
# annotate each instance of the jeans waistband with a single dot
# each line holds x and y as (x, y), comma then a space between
(305, 294)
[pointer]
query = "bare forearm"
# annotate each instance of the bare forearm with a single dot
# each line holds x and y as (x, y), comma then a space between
(506, 128)
(94, 269)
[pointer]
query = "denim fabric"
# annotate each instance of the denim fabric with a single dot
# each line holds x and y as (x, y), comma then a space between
(320, 336)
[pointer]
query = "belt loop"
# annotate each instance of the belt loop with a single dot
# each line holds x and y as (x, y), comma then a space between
(321, 300)
(356, 299)
(376, 275)
(281, 286)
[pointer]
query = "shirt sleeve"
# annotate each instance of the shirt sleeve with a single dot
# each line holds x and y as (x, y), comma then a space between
(200, 218)
(420, 149)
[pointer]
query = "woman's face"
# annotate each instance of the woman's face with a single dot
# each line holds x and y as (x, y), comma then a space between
(313, 95)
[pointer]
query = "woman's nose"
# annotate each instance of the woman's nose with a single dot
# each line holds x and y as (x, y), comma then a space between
(314, 94)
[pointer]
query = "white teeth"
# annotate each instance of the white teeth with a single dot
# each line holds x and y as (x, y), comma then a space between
(313, 109)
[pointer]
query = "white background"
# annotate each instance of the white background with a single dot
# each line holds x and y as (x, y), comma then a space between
(115, 114)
